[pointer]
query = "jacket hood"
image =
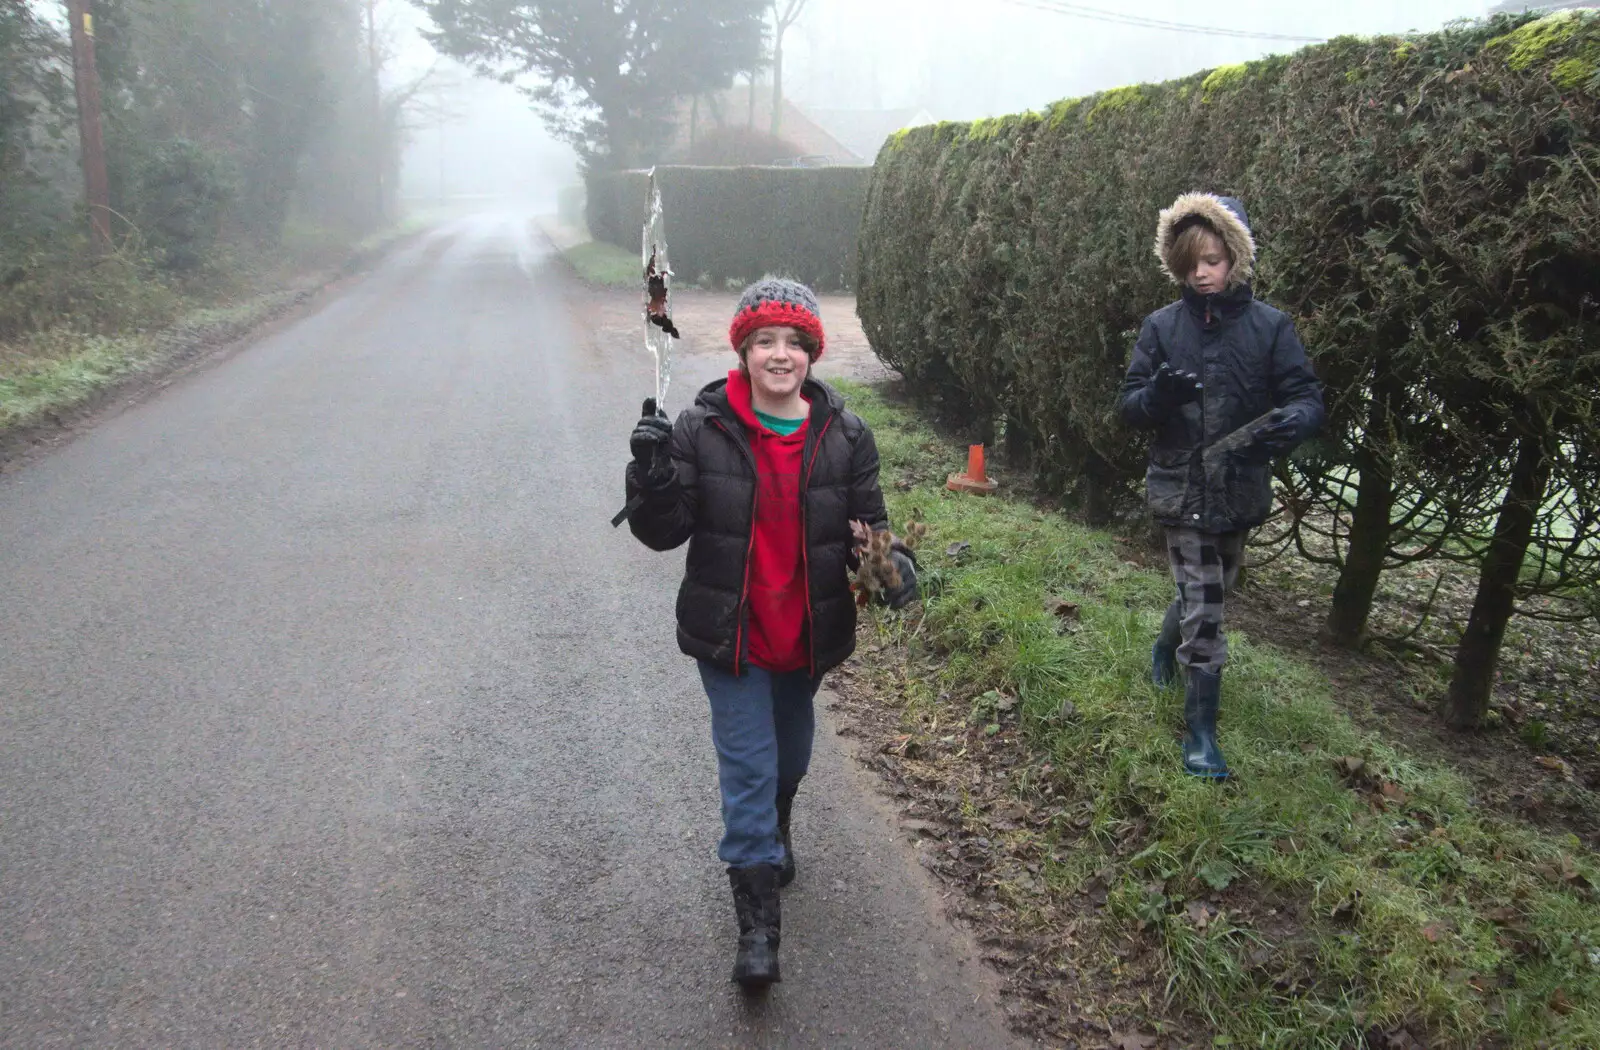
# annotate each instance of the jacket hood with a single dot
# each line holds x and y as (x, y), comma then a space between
(1224, 216)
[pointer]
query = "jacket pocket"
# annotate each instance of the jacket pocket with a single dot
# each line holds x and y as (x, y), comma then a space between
(1247, 489)
(1166, 481)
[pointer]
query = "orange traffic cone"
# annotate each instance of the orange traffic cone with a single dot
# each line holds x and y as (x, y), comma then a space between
(974, 480)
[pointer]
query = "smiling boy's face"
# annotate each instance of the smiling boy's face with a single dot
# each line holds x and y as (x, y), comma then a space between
(778, 362)
(1211, 264)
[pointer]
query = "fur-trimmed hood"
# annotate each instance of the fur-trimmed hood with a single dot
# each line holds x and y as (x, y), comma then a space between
(1225, 216)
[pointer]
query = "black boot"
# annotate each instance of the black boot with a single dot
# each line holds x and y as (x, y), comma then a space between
(755, 898)
(1201, 698)
(786, 873)
(1164, 654)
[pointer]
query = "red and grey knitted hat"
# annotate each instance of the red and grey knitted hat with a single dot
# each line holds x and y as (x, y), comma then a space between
(776, 302)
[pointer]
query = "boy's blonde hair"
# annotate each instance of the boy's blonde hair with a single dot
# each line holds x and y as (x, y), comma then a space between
(1185, 253)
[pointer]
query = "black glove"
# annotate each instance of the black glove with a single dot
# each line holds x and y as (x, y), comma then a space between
(1279, 435)
(905, 564)
(649, 443)
(1170, 389)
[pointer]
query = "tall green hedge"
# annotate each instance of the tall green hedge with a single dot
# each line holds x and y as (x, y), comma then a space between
(737, 224)
(1401, 188)
(1427, 208)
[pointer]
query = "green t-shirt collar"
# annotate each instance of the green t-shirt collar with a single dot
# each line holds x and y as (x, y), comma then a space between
(781, 427)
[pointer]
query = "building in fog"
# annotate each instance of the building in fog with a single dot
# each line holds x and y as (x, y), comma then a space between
(864, 131)
(813, 136)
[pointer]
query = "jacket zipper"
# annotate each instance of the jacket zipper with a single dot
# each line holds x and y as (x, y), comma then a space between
(744, 587)
(1205, 481)
(805, 548)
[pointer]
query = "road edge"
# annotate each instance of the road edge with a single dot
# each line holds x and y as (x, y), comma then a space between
(27, 442)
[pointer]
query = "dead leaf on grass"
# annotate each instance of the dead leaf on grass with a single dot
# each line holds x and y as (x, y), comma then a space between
(1201, 913)
(1401, 1039)
(1097, 892)
(1066, 610)
(1346, 909)
(1390, 793)
(1350, 766)
(1565, 872)
(904, 745)
(1557, 764)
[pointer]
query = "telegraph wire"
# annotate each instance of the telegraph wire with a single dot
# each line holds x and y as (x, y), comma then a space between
(1098, 14)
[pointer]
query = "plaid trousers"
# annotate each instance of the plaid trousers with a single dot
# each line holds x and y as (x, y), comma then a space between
(1205, 566)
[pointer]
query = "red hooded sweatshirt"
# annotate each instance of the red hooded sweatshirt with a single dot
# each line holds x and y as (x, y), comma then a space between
(776, 578)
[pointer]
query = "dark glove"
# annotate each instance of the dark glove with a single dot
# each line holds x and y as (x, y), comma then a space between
(1170, 389)
(1279, 435)
(649, 443)
(905, 563)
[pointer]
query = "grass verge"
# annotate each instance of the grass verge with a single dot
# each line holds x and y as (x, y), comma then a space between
(59, 368)
(1337, 892)
(602, 263)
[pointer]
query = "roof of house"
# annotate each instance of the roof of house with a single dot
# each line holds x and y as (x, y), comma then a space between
(734, 107)
(842, 136)
(863, 131)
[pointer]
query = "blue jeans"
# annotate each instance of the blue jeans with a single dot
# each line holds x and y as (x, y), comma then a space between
(762, 724)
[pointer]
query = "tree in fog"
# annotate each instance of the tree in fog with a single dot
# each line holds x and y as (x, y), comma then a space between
(610, 72)
(226, 122)
(35, 121)
(785, 13)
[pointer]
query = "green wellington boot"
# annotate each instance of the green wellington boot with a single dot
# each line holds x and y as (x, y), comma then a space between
(1202, 696)
(1164, 654)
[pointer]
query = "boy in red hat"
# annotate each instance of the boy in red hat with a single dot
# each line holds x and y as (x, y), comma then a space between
(763, 477)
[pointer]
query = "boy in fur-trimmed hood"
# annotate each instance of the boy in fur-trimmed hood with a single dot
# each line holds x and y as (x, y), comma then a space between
(1216, 362)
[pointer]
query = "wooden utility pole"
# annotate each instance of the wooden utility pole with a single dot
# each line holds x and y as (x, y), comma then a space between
(86, 79)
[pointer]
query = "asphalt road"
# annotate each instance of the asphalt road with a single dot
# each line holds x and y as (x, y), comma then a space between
(333, 713)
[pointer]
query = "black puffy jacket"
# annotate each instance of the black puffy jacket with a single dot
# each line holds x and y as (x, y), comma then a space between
(1250, 361)
(710, 502)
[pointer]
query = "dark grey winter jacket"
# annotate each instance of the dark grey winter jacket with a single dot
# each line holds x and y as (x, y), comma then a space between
(1250, 361)
(710, 503)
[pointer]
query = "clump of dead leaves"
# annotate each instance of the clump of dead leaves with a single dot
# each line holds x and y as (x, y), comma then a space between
(878, 575)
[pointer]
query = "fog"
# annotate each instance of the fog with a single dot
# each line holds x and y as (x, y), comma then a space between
(954, 59)
(469, 138)
(963, 59)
